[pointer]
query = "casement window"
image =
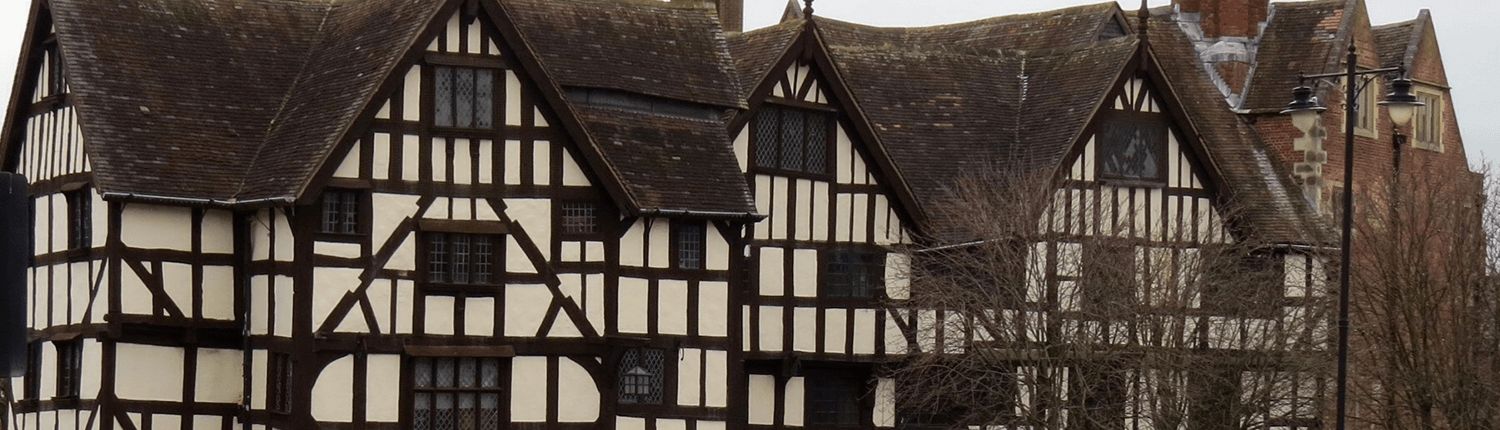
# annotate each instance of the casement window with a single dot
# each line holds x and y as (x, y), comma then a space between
(689, 244)
(642, 375)
(1427, 124)
(453, 393)
(1131, 146)
(278, 383)
(57, 82)
(461, 259)
(833, 400)
(341, 211)
(1109, 278)
(849, 273)
(1367, 110)
(32, 388)
(80, 219)
(463, 97)
(792, 140)
(69, 367)
(579, 219)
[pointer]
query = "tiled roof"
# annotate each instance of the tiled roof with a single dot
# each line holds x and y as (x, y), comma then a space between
(1394, 41)
(671, 50)
(1265, 198)
(671, 163)
(1035, 31)
(1302, 38)
(755, 52)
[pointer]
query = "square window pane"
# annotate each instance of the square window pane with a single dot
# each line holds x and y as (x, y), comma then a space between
(463, 95)
(484, 99)
(442, 101)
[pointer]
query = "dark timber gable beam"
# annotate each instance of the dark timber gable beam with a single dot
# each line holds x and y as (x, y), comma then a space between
(23, 85)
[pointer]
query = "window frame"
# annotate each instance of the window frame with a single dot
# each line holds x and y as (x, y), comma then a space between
(361, 207)
(31, 386)
(1157, 121)
(870, 260)
(80, 204)
(665, 381)
(69, 368)
(57, 78)
(1435, 106)
(816, 380)
(500, 389)
(497, 243)
(280, 369)
(434, 68)
(679, 228)
(1367, 111)
(601, 216)
(830, 140)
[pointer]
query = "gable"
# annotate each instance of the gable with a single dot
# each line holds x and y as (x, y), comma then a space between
(46, 142)
(1135, 175)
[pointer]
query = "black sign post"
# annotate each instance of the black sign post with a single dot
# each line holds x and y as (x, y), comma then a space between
(15, 246)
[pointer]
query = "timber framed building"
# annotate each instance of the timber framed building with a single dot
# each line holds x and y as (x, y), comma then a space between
(607, 214)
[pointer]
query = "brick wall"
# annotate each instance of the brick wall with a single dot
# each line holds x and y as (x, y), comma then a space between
(1234, 18)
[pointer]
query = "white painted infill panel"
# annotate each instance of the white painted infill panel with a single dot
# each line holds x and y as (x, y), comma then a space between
(864, 331)
(805, 272)
(406, 303)
(660, 243)
(91, 375)
(633, 245)
(672, 312)
(439, 312)
(860, 213)
(795, 393)
(463, 162)
(718, 252)
(528, 375)
(484, 172)
(772, 277)
(779, 207)
(805, 329)
(525, 307)
(841, 216)
(135, 298)
(382, 391)
(713, 309)
(885, 403)
(479, 316)
(573, 175)
(689, 373)
(512, 98)
(630, 423)
(380, 157)
(763, 206)
(578, 394)
(100, 217)
(671, 424)
(349, 167)
(411, 159)
(804, 221)
(820, 211)
(541, 162)
(770, 328)
(218, 292)
(332, 284)
(513, 161)
(155, 372)
(835, 335)
(633, 311)
(716, 379)
(895, 340)
(411, 95)
(742, 149)
(215, 368)
(149, 226)
(897, 276)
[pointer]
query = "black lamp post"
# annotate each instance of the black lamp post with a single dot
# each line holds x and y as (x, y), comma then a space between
(1304, 111)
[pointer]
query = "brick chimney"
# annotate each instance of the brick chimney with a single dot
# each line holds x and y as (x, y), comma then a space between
(731, 14)
(1227, 18)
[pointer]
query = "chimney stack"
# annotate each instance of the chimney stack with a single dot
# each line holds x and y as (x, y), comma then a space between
(731, 15)
(1227, 18)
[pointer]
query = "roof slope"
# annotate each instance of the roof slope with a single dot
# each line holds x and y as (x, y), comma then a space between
(661, 49)
(1394, 41)
(174, 96)
(671, 163)
(1302, 38)
(1072, 26)
(756, 52)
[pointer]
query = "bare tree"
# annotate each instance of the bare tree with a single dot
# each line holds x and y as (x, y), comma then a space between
(1424, 302)
(1038, 305)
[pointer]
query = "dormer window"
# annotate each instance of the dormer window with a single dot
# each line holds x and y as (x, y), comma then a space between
(1130, 148)
(792, 140)
(463, 97)
(1427, 124)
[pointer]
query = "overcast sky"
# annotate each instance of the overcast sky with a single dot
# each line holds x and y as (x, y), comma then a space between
(1464, 29)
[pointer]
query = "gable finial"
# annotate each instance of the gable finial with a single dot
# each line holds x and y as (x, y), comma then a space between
(807, 10)
(1143, 25)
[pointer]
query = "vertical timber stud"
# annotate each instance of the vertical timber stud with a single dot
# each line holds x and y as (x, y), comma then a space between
(15, 247)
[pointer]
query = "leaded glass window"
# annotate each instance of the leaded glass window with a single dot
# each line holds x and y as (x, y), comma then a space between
(69, 367)
(854, 274)
(580, 218)
(641, 376)
(80, 219)
(463, 97)
(792, 140)
(833, 400)
(460, 259)
(278, 383)
(453, 393)
(341, 211)
(1130, 148)
(688, 243)
(1427, 124)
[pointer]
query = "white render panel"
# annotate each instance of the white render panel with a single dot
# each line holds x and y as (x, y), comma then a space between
(742, 148)
(762, 399)
(718, 252)
(485, 170)
(380, 159)
(541, 162)
(895, 341)
(713, 308)
(512, 158)
(577, 391)
(149, 226)
(332, 398)
(633, 245)
(805, 272)
(843, 155)
(770, 328)
(715, 378)
(779, 206)
(411, 97)
(337, 249)
(897, 276)
(841, 217)
(820, 211)
(805, 329)
(439, 159)
(91, 376)
(772, 277)
(463, 162)
(439, 312)
(864, 331)
(528, 375)
(512, 99)
(885, 403)
(147, 372)
(835, 325)
(689, 373)
(795, 393)
(411, 161)
(630, 423)
(479, 316)
(283, 309)
(332, 284)
(634, 298)
(660, 243)
(534, 215)
(673, 297)
(803, 222)
(525, 307)
(349, 167)
(763, 206)
(382, 390)
(573, 175)
(216, 367)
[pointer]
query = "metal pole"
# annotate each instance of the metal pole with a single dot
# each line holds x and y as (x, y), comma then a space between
(1347, 230)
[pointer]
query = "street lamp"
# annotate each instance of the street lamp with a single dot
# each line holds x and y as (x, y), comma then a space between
(1304, 110)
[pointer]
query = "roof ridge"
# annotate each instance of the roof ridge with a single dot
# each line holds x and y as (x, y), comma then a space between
(996, 18)
(285, 99)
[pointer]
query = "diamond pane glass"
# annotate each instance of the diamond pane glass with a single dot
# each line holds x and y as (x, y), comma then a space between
(445, 413)
(444, 372)
(484, 99)
(421, 417)
(422, 373)
(468, 373)
(793, 132)
(463, 110)
(468, 415)
(817, 144)
(766, 134)
(489, 411)
(490, 374)
(442, 102)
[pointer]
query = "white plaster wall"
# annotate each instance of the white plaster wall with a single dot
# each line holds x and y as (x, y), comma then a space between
(673, 299)
(148, 372)
(762, 396)
(149, 226)
(525, 307)
(713, 309)
(715, 378)
(771, 275)
(332, 394)
(528, 375)
(634, 298)
(382, 389)
(331, 286)
(689, 373)
(581, 394)
(218, 292)
(795, 393)
(218, 372)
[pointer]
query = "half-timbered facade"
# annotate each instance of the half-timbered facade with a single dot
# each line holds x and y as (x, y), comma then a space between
(595, 214)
